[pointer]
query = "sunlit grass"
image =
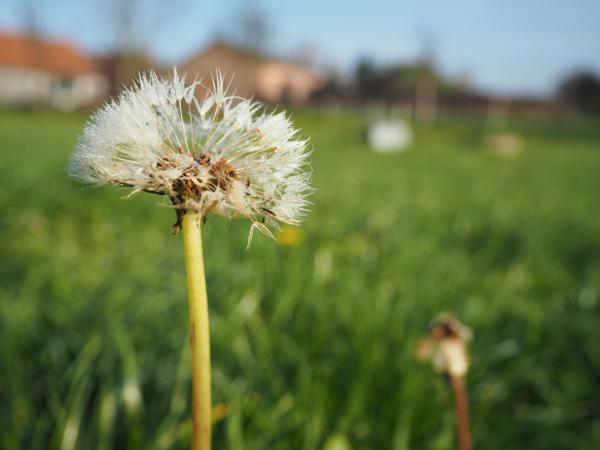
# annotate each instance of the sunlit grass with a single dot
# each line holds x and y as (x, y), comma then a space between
(315, 340)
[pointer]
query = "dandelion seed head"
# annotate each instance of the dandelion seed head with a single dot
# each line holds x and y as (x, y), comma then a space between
(221, 154)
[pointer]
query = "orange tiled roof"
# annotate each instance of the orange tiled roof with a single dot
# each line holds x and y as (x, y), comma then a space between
(56, 57)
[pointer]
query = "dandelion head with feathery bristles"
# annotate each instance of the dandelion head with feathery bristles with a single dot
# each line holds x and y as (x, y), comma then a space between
(220, 154)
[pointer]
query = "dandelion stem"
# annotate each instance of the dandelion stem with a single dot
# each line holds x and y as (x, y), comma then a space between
(199, 331)
(462, 412)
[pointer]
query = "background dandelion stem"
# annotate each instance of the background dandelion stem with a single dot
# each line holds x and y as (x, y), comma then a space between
(462, 412)
(199, 331)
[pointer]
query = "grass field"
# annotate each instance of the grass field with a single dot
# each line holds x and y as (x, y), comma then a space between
(313, 343)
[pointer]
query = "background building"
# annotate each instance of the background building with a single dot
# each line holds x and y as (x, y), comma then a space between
(37, 72)
(254, 75)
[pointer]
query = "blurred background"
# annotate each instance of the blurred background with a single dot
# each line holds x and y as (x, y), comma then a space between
(456, 164)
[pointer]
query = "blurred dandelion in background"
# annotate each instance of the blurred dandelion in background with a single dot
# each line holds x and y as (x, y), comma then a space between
(446, 348)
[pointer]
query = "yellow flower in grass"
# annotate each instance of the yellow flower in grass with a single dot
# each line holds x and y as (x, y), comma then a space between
(290, 235)
(219, 412)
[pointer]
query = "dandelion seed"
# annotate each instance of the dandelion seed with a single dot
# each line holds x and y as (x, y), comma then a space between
(220, 154)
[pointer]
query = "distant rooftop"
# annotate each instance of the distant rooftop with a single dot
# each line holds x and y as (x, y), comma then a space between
(59, 57)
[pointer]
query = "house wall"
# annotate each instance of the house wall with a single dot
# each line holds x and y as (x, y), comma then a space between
(33, 87)
(24, 87)
(239, 71)
(70, 93)
(282, 82)
(251, 75)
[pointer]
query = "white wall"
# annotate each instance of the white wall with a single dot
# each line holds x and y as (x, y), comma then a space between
(277, 79)
(27, 87)
(20, 87)
(83, 90)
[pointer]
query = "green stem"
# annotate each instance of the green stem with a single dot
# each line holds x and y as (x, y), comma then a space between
(199, 331)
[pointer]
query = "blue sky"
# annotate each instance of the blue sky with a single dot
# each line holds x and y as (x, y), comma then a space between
(505, 46)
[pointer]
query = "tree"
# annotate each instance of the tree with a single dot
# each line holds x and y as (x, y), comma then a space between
(369, 79)
(253, 28)
(582, 90)
(133, 25)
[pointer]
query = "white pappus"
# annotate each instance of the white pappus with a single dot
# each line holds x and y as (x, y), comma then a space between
(220, 154)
